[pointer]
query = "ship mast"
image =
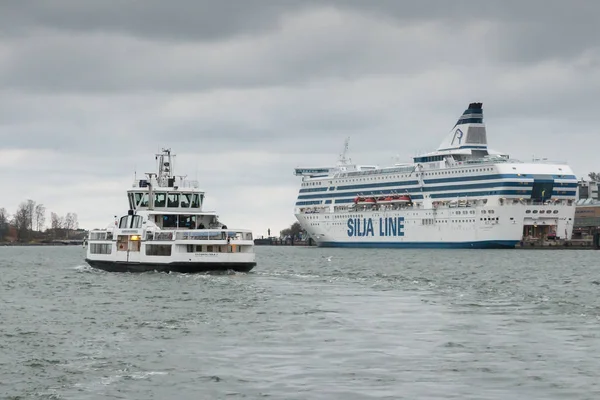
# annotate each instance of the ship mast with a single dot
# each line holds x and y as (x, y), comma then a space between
(343, 160)
(165, 168)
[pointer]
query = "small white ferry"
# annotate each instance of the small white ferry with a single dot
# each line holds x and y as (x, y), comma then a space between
(166, 229)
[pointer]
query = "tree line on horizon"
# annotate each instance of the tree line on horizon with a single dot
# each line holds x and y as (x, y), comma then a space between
(29, 221)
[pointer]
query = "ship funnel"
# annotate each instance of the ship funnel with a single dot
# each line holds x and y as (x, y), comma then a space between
(468, 132)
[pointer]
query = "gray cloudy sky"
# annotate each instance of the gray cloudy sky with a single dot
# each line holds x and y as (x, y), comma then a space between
(244, 91)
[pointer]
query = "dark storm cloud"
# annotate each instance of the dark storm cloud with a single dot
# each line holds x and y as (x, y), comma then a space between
(188, 46)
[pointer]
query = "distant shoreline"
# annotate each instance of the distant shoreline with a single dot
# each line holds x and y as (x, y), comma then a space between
(16, 244)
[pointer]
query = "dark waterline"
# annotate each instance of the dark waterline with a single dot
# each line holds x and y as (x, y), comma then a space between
(306, 323)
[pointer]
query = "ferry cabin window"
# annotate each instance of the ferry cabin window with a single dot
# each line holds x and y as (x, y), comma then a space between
(160, 199)
(186, 198)
(158, 249)
(187, 221)
(100, 248)
(138, 198)
(173, 200)
(169, 221)
(131, 203)
(195, 200)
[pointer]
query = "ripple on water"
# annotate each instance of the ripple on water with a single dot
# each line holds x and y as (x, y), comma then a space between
(306, 323)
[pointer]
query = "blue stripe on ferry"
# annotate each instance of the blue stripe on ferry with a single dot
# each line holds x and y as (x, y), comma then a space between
(308, 203)
(538, 177)
(483, 244)
(319, 189)
(500, 184)
(459, 179)
(470, 121)
(465, 147)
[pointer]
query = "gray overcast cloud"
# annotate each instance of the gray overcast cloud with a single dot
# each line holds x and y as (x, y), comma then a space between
(244, 91)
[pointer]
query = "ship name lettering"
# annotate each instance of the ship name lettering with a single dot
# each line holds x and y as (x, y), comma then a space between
(388, 227)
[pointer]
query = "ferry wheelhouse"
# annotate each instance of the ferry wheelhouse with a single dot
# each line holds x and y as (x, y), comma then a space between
(166, 229)
(461, 195)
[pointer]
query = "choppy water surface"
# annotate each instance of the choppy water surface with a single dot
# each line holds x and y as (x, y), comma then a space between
(305, 324)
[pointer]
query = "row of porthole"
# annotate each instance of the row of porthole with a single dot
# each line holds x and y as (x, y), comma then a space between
(542, 211)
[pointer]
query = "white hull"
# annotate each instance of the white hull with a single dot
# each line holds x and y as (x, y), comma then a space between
(231, 251)
(462, 227)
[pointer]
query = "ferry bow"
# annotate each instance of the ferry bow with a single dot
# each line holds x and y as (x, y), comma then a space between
(166, 229)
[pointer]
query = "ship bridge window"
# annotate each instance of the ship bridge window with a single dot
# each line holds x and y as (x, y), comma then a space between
(144, 201)
(195, 200)
(131, 204)
(138, 198)
(173, 200)
(160, 199)
(185, 199)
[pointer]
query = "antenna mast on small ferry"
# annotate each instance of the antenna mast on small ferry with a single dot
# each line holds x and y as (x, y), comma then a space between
(165, 167)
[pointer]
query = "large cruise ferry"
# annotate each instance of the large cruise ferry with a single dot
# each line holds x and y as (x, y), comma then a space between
(463, 195)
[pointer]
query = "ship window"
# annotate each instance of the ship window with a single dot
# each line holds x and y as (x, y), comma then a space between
(158, 249)
(100, 248)
(187, 221)
(138, 197)
(173, 200)
(195, 201)
(144, 202)
(555, 211)
(130, 197)
(137, 221)
(169, 221)
(159, 199)
(185, 200)
(123, 222)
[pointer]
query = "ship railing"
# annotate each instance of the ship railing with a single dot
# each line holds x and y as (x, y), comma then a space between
(189, 184)
(213, 235)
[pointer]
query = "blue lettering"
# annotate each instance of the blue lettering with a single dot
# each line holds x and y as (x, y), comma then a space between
(388, 226)
(392, 222)
(369, 228)
(400, 226)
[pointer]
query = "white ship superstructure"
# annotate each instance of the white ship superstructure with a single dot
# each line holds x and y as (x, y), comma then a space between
(166, 229)
(461, 195)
